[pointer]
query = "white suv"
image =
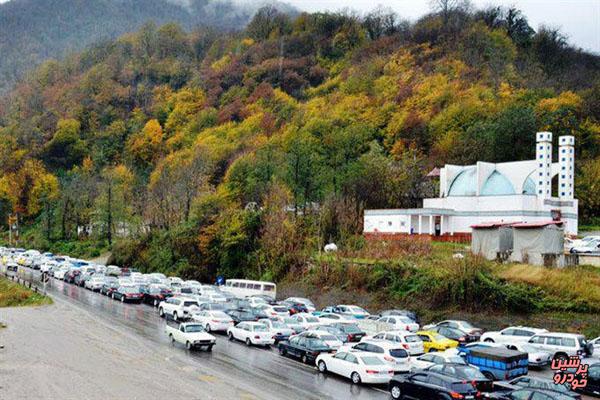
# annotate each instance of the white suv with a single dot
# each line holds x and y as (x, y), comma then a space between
(393, 353)
(513, 334)
(562, 345)
(177, 307)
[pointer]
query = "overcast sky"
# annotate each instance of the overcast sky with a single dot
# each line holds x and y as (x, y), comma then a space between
(578, 19)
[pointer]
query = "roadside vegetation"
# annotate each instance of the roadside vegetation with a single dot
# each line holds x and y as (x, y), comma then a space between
(15, 295)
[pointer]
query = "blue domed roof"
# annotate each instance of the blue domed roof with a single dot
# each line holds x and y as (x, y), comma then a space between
(497, 185)
(465, 183)
(529, 186)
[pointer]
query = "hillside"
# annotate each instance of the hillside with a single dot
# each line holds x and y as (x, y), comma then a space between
(242, 153)
(32, 31)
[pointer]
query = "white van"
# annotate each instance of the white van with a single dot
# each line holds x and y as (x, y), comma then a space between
(245, 288)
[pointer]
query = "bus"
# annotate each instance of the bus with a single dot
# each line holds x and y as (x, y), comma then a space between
(246, 288)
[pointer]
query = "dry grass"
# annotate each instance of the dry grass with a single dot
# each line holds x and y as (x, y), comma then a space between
(573, 283)
(13, 295)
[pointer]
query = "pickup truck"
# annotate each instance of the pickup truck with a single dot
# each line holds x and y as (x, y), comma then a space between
(191, 334)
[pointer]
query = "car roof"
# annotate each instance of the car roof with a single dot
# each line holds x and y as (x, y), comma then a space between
(561, 334)
(383, 343)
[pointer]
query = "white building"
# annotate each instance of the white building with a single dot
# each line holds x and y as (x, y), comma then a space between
(519, 191)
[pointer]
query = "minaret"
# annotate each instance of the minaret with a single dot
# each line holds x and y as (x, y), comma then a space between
(543, 156)
(566, 162)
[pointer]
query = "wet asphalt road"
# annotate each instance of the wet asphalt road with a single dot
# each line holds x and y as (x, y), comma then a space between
(261, 373)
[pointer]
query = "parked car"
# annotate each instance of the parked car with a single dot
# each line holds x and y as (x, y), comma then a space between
(592, 246)
(310, 307)
(528, 394)
(127, 294)
(326, 337)
(337, 332)
(293, 324)
(427, 385)
(352, 331)
(360, 367)
(61, 272)
(537, 358)
(154, 294)
(110, 284)
(400, 322)
(251, 333)
(241, 316)
(177, 307)
(213, 320)
(466, 372)
(396, 356)
(94, 283)
(529, 382)
(307, 349)
(464, 326)
(71, 275)
(513, 335)
(430, 359)
(562, 345)
(433, 341)
(328, 317)
(409, 341)
(348, 310)
(191, 334)
(214, 307)
(593, 381)
(410, 314)
(279, 330)
(307, 321)
(295, 308)
(456, 334)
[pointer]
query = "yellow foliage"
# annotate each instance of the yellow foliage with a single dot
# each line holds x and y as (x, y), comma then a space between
(566, 99)
(146, 145)
(221, 63)
(44, 191)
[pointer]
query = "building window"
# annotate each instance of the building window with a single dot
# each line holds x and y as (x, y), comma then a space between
(541, 156)
(562, 185)
(540, 192)
(563, 168)
(541, 174)
(562, 176)
(562, 193)
(541, 165)
(389, 223)
(563, 150)
(541, 183)
(563, 159)
(548, 147)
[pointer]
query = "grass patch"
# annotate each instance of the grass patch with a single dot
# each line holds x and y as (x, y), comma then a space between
(15, 295)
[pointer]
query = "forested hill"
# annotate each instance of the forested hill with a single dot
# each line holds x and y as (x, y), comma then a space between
(32, 31)
(231, 152)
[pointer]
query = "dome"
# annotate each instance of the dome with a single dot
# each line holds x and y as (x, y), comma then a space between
(529, 186)
(497, 185)
(465, 184)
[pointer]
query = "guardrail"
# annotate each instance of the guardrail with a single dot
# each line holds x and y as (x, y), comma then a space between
(28, 279)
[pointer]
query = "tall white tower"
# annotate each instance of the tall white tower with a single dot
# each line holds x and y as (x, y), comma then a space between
(543, 155)
(566, 162)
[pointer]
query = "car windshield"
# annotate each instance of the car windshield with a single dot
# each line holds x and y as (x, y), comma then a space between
(260, 328)
(350, 328)
(328, 337)
(311, 319)
(280, 309)
(219, 314)
(290, 321)
(190, 303)
(278, 325)
(398, 353)
(467, 325)
(438, 337)
(472, 373)
(194, 328)
(358, 310)
(412, 338)
(371, 360)
(130, 289)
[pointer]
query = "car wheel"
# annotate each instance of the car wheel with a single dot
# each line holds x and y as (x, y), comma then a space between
(175, 315)
(230, 337)
(355, 378)
(209, 348)
(122, 299)
(432, 350)
(172, 338)
(207, 327)
(488, 340)
(282, 351)
(304, 358)
(561, 356)
(248, 342)
(489, 375)
(322, 366)
(161, 312)
(188, 345)
(396, 392)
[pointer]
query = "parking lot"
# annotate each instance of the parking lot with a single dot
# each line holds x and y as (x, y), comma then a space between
(88, 346)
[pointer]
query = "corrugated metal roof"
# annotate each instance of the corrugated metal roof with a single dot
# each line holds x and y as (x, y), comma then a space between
(538, 224)
(489, 225)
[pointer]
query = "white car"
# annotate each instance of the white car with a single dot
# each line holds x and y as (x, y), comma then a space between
(191, 334)
(352, 311)
(400, 322)
(279, 330)
(429, 359)
(213, 320)
(175, 280)
(457, 324)
(306, 321)
(306, 302)
(95, 283)
(537, 358)
(561, 345)
(592, 246)
(274, 310)
(178, 307)
(214, 297)
(396, 356)
(513, 334)
(360, 367)
(328, 318)
(251, 333)
(48, 266)
(581, 242)
(327, 338)
(60, 274)
(256, 301)
(409, 341)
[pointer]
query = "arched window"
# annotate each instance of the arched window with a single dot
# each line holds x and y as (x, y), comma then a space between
(497, 185)
(465, 183)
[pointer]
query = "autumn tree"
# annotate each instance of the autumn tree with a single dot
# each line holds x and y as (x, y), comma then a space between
(114, 204)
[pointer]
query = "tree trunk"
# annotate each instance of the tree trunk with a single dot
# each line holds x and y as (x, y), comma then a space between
(109, 215)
